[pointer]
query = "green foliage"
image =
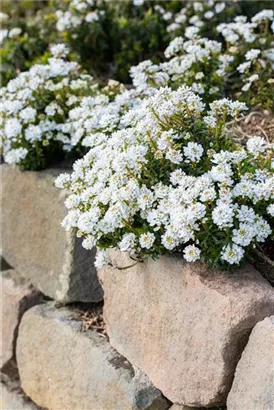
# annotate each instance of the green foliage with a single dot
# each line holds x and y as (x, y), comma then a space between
(123, 35)
(138, 39)
(21, 51)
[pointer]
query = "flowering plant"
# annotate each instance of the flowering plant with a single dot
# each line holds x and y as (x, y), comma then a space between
(82, 26)
(24, 36)
(195, 62)
(108, 37)
(250, 52)
(242, 67)
(202, 16)
(35, 107)
(170, 181)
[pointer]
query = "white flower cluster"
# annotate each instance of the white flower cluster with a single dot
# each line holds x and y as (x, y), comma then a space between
(159, 184)
(197, 63)
(205, 65)
(78, 12)
(191, 60)
(258, 56)
(6, 33)
(195, 15)
(34, 106)
(12, 33)
(237, 30)
(96, 117)
(256, 61)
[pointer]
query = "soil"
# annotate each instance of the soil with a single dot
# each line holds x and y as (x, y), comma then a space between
(268, 249)
(258, 122)
(91, 317)
(263, 260)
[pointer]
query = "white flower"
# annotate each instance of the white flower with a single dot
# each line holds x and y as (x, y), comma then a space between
(28, 114)
(16, 155)
(59, 50)
(255, 145)
(263, 229)
(208, 194)
(174, 156)
(101, 259)
(198, 6)
(191, 32)
(15, 32)
(252, 54)
(193, 151)
(145, 199)
(219, 7)
(232, 254)
(13, 128)
(3, 17)
(191, 253)
(246, 214)
(128, 242)
(263, 15)
(91, 17)
(175, 46)
(21, 120)
(62, 180)
(167, 16)
(246, 87)
(33, 133)
(176, 176)
(127, 178)
(223, 214)
(199, 75)
(244, 66)
(210, 121)
(270, 210)
(3, 34)
(146, 240)
(244, 234)
(168, 241)
(208, 15)
(89, 242)
(254, 77)
(138, 3)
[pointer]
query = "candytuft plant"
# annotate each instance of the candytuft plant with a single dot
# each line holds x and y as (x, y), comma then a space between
(34, 110)
(170, 181)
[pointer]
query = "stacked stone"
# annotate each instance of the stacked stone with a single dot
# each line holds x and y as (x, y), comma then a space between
(186, 327)
(46, 261)
(35, 244)
(59, 366)
(179, 336)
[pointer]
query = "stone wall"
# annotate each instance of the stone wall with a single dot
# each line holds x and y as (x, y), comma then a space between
(175, 335)
(35, 244)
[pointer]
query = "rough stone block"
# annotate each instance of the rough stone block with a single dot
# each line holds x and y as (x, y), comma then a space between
(3, 264)
(61, 367)
(182, 324)
(36, 245)
(253, 385)
(14, 401)
(17, 296)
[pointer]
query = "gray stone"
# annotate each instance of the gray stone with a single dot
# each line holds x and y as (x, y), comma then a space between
(61, 367)
(253, 385)
(3, 264)
(36, 245)
(17, 296)
(14, 400)
(182, 324)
